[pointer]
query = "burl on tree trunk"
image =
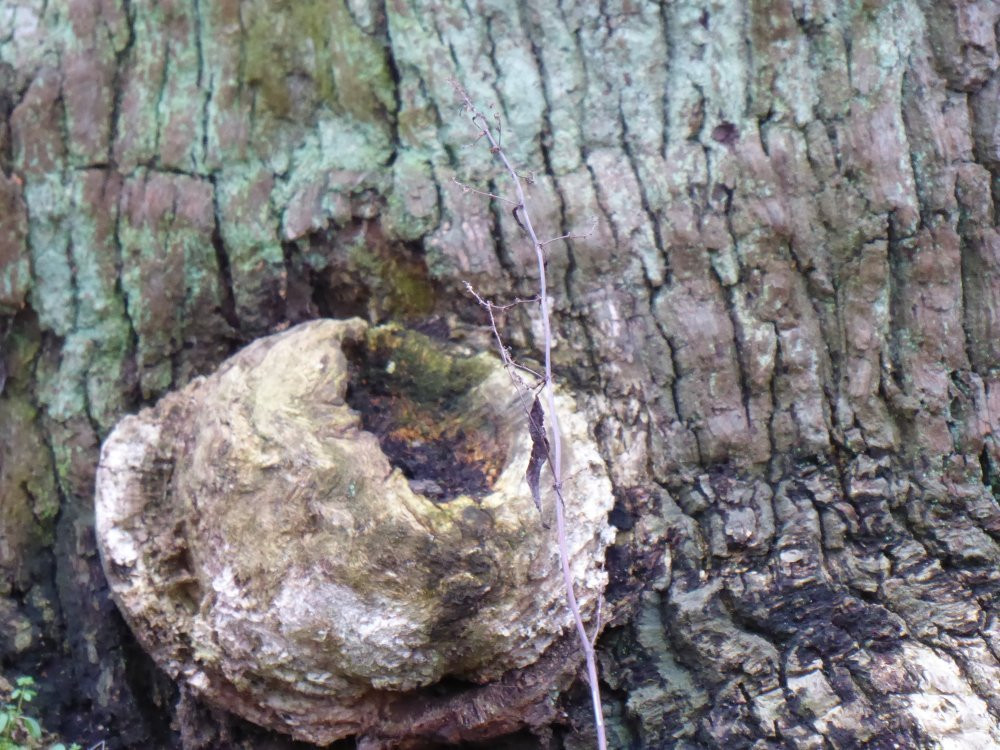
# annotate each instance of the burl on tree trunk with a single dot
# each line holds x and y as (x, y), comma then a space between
(783, 336)
(267, 553)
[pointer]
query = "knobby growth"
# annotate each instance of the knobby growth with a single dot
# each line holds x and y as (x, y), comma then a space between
(546, 443)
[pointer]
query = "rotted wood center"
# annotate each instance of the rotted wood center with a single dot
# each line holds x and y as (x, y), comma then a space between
(415, 396)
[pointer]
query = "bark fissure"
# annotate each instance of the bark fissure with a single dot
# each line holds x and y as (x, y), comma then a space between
(222, 260)
(161, 92)
(122, 58)
(651, 217)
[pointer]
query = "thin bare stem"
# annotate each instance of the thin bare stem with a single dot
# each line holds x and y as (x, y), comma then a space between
(523, 217)
(572, 236)
(484, 193)
(508, 362)
(519, 366)
(516, 301)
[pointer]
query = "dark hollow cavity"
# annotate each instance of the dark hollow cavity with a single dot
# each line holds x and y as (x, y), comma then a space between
(413, 395)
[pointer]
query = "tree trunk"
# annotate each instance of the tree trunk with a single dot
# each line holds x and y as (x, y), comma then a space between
(785, 326)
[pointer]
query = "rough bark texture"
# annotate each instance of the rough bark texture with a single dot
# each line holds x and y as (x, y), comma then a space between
(786, 327)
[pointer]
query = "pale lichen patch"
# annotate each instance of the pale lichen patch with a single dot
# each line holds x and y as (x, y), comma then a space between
(944, 706)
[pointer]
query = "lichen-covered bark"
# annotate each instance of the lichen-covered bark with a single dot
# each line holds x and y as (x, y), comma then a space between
(786, 321)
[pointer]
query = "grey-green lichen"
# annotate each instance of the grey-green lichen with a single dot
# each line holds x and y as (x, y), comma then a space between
(265, 551)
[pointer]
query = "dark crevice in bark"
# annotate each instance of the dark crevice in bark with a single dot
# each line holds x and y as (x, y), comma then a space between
(908, 91)
(395, 74)
(204, 86)
(152, 688)
(8, 101)
(88, 414)
(584, 149)
(836, 341)
(755, 723)
(675, 373)
(584, 68)
(668, 58)
(544, 146)
(747, 37)
(776, 373)
(498, 106)
(74, 284)
(729, 296)
(604, 18)
(228, 300)
(131, 364)
(741, 355)
(161, 90)
(456, 163)
(505, 256)
(255, 96)
(83, 602)
(895, 343)
(595, 181)
(651, 216)
(966, 273)
(177, 360)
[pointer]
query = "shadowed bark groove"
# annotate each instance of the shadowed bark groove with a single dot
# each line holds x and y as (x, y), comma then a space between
(786, 323)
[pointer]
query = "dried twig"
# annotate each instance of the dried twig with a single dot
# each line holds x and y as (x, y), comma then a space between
(551, 450)
(572, 236)
(485, 193)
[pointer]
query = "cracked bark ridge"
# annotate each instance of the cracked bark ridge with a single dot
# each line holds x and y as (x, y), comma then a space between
(268, 556)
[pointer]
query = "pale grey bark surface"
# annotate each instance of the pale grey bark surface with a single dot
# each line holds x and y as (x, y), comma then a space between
(786, 323)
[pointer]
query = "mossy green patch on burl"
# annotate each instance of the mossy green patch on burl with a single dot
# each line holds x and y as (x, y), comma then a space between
(421, 367)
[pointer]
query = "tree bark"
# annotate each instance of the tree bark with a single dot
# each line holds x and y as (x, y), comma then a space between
(786, 324)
